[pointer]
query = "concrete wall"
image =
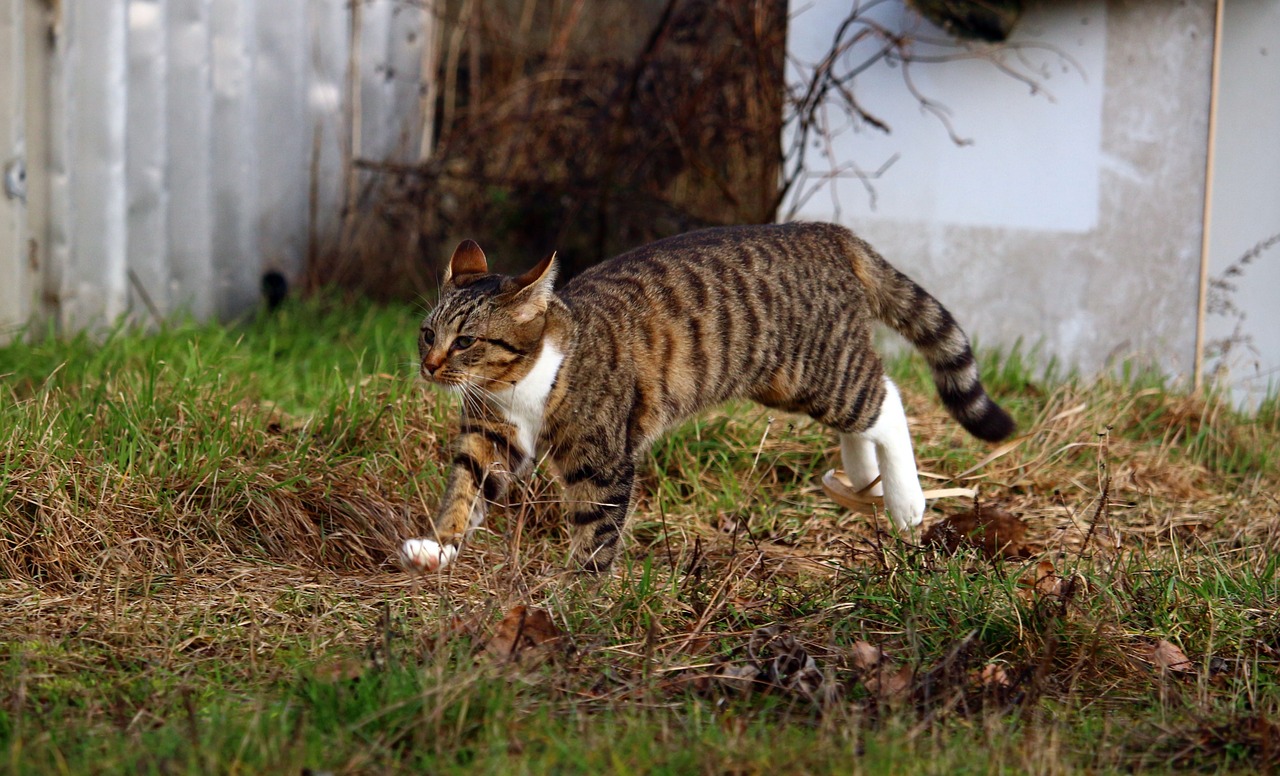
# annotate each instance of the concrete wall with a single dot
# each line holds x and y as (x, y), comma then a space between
(1073, 218)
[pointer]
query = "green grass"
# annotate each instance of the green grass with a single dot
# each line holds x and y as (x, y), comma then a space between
(195, 529)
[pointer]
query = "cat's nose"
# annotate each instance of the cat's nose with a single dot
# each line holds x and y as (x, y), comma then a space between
(433, 362)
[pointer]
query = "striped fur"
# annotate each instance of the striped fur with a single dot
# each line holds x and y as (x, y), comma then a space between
(781, 314)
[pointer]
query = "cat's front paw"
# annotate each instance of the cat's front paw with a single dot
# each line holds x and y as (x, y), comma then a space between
(424, 555)
(905, 505)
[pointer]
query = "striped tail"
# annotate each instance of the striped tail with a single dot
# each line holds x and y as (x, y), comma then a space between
(908, 309)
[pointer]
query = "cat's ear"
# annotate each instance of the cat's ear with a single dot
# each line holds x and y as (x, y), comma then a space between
(533, 290)
(467, 259)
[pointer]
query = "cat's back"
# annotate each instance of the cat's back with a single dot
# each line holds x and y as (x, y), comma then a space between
(691, 320)
(705, 269)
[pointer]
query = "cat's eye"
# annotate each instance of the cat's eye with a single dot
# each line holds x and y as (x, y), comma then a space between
(464, 342)
(428, 336)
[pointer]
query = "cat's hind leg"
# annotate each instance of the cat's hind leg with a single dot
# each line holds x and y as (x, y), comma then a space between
(597, 502)
(858, 455)
(891, 439)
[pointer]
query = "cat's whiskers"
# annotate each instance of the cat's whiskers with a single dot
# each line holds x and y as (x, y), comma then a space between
(477, 377)
(476, 389)
(488, 396)
(480, 397)
(414, 368)
(477, 400)
(471, 402)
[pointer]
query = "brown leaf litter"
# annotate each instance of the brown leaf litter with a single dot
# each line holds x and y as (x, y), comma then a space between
(777, 662)
(1167, 656)
(881, 678)
(527, 636)
(997, 534)
(1044, 582)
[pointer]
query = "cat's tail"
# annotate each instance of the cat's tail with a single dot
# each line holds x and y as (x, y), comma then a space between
(908, 309)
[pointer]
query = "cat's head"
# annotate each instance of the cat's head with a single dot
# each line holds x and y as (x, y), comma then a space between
(487, 329)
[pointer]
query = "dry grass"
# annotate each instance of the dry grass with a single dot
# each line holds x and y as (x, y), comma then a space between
(187, 542)
(634, 121)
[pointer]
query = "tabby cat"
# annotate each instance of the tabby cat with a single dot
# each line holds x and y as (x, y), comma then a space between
(592, 374)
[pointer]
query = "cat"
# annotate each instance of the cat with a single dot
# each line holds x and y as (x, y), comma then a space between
(593, 374)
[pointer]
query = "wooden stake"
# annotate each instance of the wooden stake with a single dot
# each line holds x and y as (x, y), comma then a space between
(1206, 218)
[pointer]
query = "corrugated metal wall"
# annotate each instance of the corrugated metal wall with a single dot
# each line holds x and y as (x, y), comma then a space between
(15, 280)
(177, 149)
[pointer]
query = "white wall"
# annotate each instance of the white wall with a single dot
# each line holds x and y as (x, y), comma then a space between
(1073, 218)
(1246, 194)
(1028, 161)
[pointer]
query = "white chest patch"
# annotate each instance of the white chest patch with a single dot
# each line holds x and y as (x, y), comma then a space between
(524, 403)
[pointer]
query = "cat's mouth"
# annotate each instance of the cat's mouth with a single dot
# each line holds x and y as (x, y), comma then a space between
(445, 379)
(448, 381)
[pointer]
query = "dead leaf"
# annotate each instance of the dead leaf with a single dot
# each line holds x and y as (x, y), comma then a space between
(1000, 684)
(994, 532)
(866, 656)
(738, 676)
(995, 677)
(1047, 580)
(880, 677)
(1044, 581)
(1168, 656)
(838, 488)
(523, 635)
(339, 670)
(888, 683)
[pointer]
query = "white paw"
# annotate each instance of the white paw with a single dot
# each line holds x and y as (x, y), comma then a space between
(905, 505)
(425, 555)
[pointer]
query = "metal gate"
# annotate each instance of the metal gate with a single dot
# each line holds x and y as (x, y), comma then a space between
(160, 155)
